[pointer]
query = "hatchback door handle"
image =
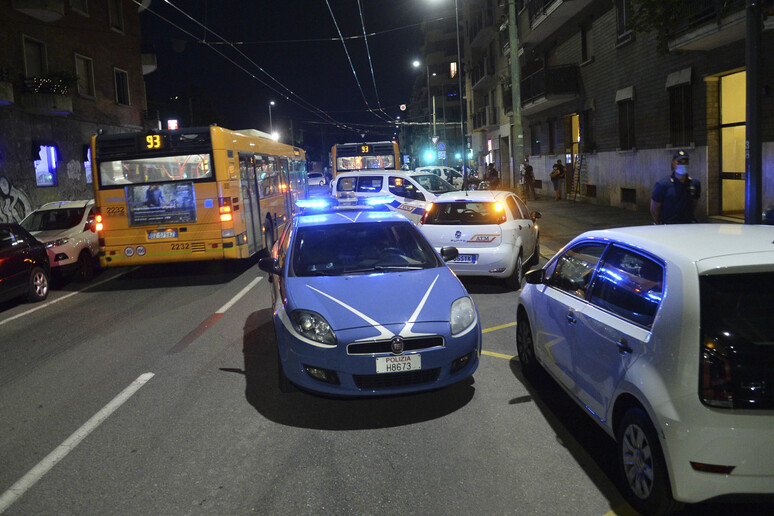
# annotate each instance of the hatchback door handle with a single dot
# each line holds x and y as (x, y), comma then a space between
(623, 347)
(571, 317)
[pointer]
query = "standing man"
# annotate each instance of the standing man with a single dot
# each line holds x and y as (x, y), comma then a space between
(529, 181)
(557, 178)
(674, 197)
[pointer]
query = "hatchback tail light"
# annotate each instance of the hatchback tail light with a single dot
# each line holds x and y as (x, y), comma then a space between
(715, 373)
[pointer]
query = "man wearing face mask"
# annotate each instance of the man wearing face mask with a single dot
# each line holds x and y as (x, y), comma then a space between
(674, 198)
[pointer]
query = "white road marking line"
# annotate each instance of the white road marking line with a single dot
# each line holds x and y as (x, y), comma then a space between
(43, 467)
(239, 296)
(71, 294)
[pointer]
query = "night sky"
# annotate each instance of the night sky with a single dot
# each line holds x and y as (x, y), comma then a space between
(279, 47)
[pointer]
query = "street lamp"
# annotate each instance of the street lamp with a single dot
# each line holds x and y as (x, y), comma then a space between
(271, 126)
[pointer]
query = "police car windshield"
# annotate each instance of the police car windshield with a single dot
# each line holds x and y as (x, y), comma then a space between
(361, 248)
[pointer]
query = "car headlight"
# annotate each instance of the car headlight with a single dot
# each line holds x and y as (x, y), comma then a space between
(462, 315)
(57, 242)
(312, 326)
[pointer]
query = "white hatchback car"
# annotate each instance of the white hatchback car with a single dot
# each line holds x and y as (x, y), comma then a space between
(495, 233)
(664, 335)
(66, 228)
(450, 174)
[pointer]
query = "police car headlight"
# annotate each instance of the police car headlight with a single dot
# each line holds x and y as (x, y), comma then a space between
(463, 313)
(312, 326)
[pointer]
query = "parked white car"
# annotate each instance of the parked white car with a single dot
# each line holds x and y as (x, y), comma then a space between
(451, 175)
(67, 230)
(663, 336)
(409, 191)
(494, 232)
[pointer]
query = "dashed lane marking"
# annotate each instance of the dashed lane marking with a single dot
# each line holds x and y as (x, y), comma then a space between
(501, 327)
(500, 355)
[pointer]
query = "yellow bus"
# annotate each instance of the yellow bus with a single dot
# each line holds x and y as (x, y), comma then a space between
(193, 194)
(349, 157)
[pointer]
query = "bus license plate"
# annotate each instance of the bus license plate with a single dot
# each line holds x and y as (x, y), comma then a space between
(398, 364)
(153, 235)
(465, 258)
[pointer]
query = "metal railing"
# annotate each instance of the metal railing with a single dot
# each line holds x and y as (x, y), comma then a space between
(554, 79)
(697, 13)
(537, 8)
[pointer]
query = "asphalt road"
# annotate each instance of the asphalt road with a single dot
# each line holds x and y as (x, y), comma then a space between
(153, 391)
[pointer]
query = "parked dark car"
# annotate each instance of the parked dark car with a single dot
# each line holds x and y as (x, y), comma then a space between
(24, 265)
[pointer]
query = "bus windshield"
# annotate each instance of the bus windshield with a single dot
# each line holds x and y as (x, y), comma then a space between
(155, 169)
(365, 163)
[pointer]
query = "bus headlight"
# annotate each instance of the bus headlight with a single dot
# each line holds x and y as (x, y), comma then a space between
(227, 233)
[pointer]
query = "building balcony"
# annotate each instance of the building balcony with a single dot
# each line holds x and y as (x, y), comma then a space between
(549, 87)
(47, 103)
(709, 24)
(43, 10)
(482, 77)
(481, 29)
(547, 16)
(484, 117)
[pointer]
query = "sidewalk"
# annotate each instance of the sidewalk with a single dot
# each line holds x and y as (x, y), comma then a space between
(563, 220)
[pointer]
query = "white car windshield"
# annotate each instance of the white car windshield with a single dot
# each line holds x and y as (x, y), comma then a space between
(433, 183)
(49, 220)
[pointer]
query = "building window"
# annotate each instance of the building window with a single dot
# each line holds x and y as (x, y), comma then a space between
(87, 163)
(452, 70)
(45, 166)
(122, 86)
(84, 69)
(587, 46)
(534, 132)
(623, 13)
(80, 6)
(680, 115)
(34, 58)
(116, 15)
(626, 124)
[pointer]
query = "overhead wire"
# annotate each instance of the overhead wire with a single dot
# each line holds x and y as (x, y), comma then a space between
(308, 107)
(370, 62)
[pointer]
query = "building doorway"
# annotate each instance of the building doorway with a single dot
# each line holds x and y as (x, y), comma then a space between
(733, 134)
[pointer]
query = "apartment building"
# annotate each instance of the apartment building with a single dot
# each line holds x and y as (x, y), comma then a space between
(69, 68)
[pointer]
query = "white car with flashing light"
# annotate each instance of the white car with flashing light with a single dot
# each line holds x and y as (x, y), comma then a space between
(493, 231)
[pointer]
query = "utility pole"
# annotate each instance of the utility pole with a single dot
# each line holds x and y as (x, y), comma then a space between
(517, 131)
(753, 183)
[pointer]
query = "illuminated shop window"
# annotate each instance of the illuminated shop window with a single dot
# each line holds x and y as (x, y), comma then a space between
(45, 167)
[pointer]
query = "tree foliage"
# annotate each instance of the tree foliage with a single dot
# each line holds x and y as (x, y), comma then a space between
(660, 16)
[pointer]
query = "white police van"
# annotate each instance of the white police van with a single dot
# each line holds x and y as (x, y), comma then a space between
(410, 191)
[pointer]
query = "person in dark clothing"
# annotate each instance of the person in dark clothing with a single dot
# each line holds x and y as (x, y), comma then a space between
(674, 197)
(153, 196)
(529, 181)
(557, 178)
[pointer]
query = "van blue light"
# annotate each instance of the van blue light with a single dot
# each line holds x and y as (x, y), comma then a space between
(373, 201)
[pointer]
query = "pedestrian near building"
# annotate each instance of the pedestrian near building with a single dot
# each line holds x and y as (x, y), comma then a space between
(529, 181)
(557, 178)
(674, 197)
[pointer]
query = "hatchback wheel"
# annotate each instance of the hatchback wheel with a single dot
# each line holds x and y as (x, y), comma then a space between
(516, 278)
(85, 269)
(38, 287)
(524, 346)
(642, 465)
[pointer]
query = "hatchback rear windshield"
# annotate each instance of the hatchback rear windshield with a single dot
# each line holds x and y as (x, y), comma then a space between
(737, 325)
(361, 248)
(433, 183)
(465, 213)
(49, 220)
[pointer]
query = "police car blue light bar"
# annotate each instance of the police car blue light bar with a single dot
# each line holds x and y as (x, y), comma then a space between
(313, 203)
(373, 201)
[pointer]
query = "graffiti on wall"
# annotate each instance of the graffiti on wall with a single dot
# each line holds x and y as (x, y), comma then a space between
(14, 204)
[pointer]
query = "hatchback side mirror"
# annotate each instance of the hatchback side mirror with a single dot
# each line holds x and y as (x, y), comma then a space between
(449, 253)
(270, 265)
(535, 276)
(535, 215)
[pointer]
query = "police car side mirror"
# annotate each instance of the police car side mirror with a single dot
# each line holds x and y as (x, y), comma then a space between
(535, 215)
(536, 276)
(449, 253)
(270, 265)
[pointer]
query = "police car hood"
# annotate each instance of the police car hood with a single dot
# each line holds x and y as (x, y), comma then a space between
(356, 301)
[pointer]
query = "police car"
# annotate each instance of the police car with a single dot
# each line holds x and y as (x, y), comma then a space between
(363, 305)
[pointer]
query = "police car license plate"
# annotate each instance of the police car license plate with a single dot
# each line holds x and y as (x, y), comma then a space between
(398, 363)
(162, 234)
(465, 258)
